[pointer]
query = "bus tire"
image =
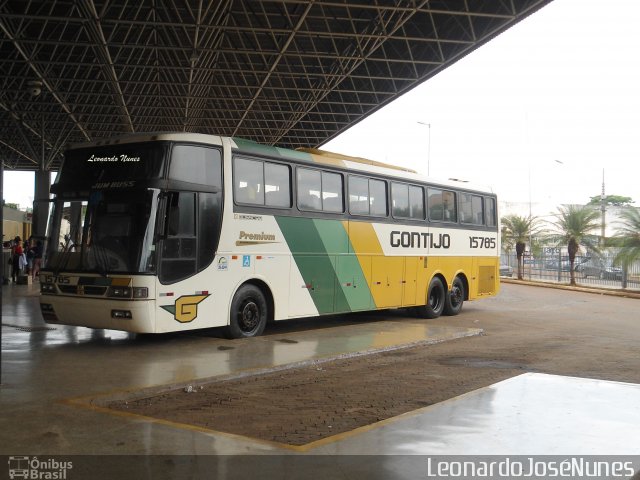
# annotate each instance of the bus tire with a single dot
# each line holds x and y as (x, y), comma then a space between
(454, 298)
(435, 300)
(249, 313)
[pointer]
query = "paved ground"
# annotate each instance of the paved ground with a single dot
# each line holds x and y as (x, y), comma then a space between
(54, 380)
(527, 329)
(296, 407)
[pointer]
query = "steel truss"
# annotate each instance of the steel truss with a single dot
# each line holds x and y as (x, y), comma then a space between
(282, 72)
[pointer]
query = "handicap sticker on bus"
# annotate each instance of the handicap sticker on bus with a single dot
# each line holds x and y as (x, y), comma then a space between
(246, 260)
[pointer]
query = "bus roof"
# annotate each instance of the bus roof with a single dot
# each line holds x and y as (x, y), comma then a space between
(306, 155)
(150, 137)
(323, 157)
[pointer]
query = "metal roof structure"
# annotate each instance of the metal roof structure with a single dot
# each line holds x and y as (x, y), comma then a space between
(289, 73)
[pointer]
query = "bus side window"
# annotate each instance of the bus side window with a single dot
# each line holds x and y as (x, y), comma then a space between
(442, 206)
(490, 209)
(407, 201)
(248, 181)
(309, 189)
(471, 209)
(196, 164)
(358, 195)
(367, 196)
(377, 198)
(332, 192)
(277, 185)
(449, 206)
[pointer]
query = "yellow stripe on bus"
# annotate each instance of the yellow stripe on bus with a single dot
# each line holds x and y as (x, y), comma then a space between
(385, 275)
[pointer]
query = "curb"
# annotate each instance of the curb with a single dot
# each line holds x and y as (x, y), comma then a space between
(560, 286)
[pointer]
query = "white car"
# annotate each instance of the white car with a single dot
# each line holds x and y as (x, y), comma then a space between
(506, 271)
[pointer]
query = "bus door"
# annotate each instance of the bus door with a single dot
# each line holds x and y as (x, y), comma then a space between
(188, 225)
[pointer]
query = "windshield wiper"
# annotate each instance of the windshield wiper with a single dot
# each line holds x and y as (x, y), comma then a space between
(65, 255)
(101, 259)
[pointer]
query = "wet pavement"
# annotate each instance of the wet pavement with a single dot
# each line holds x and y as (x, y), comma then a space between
(46, 369)
(54, 376)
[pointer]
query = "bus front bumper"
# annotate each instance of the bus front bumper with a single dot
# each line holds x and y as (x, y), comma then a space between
(126, 315)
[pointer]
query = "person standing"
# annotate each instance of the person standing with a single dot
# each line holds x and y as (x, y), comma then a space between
(30, 252)
(16, 255)
(37, 260)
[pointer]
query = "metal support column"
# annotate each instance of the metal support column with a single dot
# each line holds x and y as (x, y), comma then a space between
(1, 271)
(41, 204)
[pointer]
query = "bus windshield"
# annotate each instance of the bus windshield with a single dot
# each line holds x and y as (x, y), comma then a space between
(111, 231)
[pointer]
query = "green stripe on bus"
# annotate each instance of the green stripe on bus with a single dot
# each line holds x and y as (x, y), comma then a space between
(317, 267)
(352, 283)
(328, 264)
(308, 251)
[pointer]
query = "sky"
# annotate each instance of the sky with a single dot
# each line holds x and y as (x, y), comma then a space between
(536, 114)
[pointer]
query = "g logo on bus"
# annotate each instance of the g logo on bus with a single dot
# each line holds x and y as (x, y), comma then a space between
(185, 309)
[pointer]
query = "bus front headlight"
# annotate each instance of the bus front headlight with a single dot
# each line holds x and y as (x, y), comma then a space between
(140, 292)
(119, 292)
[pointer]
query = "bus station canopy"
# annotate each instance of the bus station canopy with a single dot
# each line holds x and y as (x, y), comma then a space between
(289, 73)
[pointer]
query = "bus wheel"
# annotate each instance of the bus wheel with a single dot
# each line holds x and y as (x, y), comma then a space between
(455, 298)
(248, 315)
(435, 300)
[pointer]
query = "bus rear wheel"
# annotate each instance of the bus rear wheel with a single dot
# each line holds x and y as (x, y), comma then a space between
(454, 298)
(249, 312)
(435, 300)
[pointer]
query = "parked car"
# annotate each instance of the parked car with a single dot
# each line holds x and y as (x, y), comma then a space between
(601, 269)
(552, 264)
(506, 271)
(565, 264)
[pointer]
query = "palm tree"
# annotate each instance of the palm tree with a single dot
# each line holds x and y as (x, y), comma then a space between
(517, 229)
(629, 236)
(505, 241)
(574, 222)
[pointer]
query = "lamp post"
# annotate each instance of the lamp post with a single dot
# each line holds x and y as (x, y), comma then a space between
(603, 210)
(428, 125)
(559, 162)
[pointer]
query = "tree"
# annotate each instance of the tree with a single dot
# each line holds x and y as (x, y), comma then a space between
(505, 241)
(516, 230)
(574, 224)
(613, 200)
(629, 237)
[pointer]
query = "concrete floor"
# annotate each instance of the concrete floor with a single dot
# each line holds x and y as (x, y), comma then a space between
(43, 369)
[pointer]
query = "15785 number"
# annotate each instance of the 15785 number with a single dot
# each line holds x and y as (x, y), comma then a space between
(482, 242)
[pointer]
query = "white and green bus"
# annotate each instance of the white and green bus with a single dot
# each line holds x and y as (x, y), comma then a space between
(157, 233)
